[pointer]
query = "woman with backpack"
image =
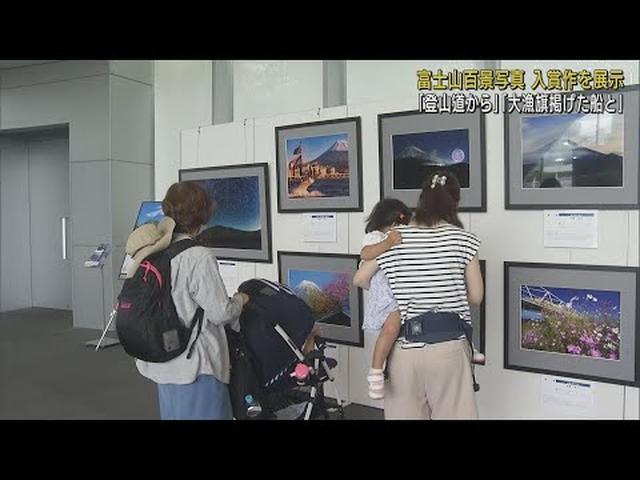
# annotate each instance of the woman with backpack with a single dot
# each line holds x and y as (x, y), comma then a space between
(193, 385)
(434, 274)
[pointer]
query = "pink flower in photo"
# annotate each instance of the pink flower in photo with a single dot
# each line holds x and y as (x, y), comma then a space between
(574, 350)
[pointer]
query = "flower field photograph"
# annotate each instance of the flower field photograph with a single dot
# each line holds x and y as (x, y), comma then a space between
(571, 321)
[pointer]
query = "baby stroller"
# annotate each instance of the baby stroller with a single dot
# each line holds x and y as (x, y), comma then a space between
(278, 365)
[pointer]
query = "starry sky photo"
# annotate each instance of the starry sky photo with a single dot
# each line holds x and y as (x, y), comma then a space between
(237, 202)
(149, 212)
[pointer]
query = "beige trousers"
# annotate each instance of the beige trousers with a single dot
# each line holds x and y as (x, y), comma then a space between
(432, 382)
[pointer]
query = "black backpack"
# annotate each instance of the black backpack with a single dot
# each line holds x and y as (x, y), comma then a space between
(147, 323)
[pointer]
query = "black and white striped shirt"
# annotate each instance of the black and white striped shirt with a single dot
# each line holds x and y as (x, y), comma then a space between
(426, 271)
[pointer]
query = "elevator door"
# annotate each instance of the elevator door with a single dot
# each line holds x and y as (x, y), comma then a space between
(49, 224)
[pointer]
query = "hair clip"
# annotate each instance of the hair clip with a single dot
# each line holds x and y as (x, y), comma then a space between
(442, 180)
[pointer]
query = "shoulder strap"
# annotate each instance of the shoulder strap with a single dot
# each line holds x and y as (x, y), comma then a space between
(196, 323)
(178, 247)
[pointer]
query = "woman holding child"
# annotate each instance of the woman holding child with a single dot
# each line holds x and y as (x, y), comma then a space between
(431, 275)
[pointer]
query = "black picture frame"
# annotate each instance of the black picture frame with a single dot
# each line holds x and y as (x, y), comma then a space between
(353, 335)
(319, 204)
(632, 359)
(476, 119)
(481, 312)
(265, 253)
(632, 154)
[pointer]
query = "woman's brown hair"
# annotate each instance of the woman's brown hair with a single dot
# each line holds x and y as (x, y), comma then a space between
(439, 200)
(189, 205)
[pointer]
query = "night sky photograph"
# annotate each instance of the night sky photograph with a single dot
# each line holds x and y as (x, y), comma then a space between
(236, 221)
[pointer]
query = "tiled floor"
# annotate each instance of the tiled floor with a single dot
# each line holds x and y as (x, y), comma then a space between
(46, 372)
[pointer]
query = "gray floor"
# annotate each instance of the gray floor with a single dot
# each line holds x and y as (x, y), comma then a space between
(46, 372)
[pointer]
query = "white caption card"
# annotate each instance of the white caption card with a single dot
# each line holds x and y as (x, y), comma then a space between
(319, 227)
(571, 228)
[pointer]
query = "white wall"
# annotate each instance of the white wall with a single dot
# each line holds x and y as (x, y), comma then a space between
(375, 80)
(379, 87)
(267, 88)
(182, 100)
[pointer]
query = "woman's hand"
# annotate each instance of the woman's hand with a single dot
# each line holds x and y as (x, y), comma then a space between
(244, 297)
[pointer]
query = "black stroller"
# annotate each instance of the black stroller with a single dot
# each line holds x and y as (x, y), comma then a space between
(271, 377)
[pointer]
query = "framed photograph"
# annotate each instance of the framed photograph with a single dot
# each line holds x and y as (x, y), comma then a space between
(478, 316)
(414, 145)
(572, 320)
(574, 159)
(324, 282)
(149, 212)
(240, 227)
(319, 166)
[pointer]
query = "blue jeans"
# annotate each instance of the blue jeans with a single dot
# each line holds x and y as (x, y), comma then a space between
(205, 399)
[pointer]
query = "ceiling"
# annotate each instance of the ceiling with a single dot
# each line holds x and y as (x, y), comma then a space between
(20, 63)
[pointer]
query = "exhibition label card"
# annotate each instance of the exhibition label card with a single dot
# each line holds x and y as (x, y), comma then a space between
(320, 227)
(571, 228)
(568, 398)
(230, 277)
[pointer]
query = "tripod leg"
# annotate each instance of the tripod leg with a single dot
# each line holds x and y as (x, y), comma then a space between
(104, 333)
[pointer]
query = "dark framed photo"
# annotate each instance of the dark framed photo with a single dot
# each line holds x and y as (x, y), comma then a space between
(324, 282)
(240, 227)
(574, 159)
(572, 320)
(414, 145)
(319, 166)
(149, 212)
(478, 316)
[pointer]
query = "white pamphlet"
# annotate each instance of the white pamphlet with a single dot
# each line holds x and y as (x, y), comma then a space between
(230, 276)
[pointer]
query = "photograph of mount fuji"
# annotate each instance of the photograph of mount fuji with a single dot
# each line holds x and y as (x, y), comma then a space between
(326, 293)
(319, 166)
(324, 281)
(150, 212)
(573, 150)
(417, 156)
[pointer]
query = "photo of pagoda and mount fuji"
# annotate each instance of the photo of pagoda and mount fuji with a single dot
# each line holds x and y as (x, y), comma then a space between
(417, 156)
(318, 166)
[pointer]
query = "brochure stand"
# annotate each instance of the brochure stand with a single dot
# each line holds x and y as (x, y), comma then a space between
(97, 261)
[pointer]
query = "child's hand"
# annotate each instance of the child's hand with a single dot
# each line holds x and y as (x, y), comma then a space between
(394, 238)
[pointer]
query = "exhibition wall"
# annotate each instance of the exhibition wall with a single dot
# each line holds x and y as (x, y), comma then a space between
(108, 108)
(381, 87)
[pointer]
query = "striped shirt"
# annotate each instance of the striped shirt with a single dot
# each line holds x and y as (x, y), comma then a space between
(426, 271)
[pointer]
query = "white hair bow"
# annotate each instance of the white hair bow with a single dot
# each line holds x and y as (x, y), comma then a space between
(441, 179)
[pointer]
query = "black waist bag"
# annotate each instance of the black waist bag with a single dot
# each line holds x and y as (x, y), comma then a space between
(436, 327)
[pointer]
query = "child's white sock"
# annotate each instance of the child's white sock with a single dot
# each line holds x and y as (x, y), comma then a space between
(376, 383)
